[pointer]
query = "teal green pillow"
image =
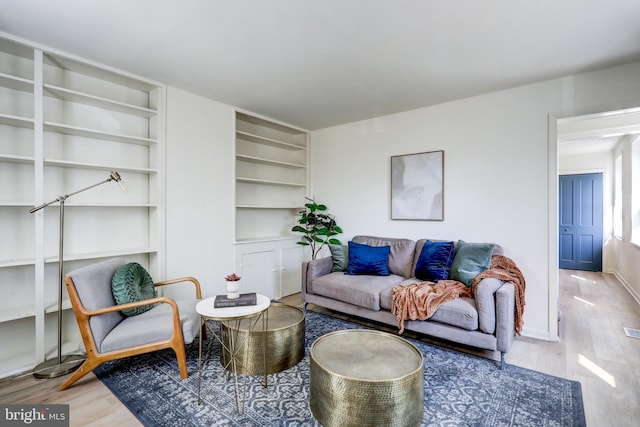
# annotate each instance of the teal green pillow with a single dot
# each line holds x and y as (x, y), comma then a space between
(132, 283)
(470, 260)
(338, 257)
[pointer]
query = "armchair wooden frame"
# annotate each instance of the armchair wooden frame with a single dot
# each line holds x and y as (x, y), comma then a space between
(95, 358)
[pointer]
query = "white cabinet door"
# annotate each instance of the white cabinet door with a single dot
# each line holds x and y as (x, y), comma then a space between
(290, 270)
(270, 268)
(260, 271)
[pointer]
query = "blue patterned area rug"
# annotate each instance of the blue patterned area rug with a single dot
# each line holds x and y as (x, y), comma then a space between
(460, 390)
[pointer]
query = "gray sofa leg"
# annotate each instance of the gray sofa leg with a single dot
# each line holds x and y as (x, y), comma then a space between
(501, 360)
(304, 307)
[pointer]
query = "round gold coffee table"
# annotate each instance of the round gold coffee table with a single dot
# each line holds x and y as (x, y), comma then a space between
(366, 377)
(282, 341)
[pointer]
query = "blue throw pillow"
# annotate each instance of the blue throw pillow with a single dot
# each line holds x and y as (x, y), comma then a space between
(435, 261)
(365, 259)
(470, 260)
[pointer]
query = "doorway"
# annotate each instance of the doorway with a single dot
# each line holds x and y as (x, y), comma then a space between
(580, 222)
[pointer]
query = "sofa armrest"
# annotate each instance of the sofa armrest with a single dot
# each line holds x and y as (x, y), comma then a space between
(486, 304)
(505, 316)
(313, 269)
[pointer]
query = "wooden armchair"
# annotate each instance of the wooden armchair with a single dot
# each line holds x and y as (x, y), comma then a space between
(108, 334)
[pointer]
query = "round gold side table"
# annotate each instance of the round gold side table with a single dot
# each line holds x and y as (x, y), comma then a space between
(283, 339)
(229, 340)
(366, 377)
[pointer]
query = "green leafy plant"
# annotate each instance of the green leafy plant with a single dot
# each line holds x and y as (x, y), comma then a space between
(318, 227)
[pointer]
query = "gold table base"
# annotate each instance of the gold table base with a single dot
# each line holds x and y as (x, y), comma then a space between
(364, 377)
(232, 342)
(282, 341)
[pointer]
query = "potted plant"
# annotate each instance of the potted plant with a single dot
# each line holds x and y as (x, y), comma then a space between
(318, 227)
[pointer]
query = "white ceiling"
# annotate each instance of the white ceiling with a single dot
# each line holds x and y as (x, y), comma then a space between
(317, 63)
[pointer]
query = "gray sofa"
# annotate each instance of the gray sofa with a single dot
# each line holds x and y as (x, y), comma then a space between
(485, 321)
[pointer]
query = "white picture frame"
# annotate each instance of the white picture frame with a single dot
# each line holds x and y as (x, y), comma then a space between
(417, 186)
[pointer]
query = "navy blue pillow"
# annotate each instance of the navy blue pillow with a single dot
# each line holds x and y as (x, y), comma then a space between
(365, 259)
(435, 261)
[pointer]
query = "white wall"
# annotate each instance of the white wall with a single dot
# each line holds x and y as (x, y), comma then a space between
(500, 172)
(199, 217)
(627, 254)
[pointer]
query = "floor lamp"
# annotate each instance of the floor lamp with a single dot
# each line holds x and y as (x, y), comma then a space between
(63, 365)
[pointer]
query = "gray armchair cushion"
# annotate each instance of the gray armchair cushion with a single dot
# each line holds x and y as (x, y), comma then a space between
(153, 325)
(93, 284)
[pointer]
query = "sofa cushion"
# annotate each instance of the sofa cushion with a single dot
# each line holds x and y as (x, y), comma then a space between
(460, 312)
(401, 256)
(361, 290)
(470, 260)
(435, 261)
(338, 257)
(370, 260)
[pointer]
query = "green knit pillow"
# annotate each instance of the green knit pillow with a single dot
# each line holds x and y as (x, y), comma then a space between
(132, 283)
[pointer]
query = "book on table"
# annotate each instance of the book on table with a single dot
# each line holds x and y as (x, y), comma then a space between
(222, 301)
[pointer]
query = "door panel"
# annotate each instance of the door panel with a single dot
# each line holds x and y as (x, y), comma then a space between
(580, 234)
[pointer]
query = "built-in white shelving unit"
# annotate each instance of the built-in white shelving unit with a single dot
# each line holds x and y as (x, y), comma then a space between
(65, 123)
(272, 181)
(271, 177)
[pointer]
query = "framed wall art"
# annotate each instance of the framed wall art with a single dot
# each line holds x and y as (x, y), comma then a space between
(417, 186)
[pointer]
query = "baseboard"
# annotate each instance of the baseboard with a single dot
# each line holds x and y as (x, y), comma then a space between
(539, 334)
(627, 286)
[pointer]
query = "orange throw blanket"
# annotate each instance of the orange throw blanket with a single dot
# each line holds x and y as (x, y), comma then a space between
(505, 269)
(418, 301)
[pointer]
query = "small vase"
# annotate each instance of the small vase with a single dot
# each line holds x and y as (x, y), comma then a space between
(233, 289)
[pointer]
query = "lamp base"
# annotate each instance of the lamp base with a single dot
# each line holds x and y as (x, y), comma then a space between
(52, 369)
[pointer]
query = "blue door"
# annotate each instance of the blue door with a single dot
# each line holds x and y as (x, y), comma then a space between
(580, 236)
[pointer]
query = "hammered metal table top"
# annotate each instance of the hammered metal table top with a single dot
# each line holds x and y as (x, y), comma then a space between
(367, 355)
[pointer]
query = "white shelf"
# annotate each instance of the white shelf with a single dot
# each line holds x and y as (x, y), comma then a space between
(267, 239)
(16, 204)
(109, 205)
(102, 254)
(96, 101)
(15, 313)
(17, 262)
(16, 364)
(52, 307)
(96, 134)
(262, 161)
(83, 165)
(9, 158)
(268, 141)
(16, 83)
(18, 121)
(268, 182)
(268, 207)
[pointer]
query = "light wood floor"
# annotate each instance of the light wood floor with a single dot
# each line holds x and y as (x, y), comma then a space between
(593, 349)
